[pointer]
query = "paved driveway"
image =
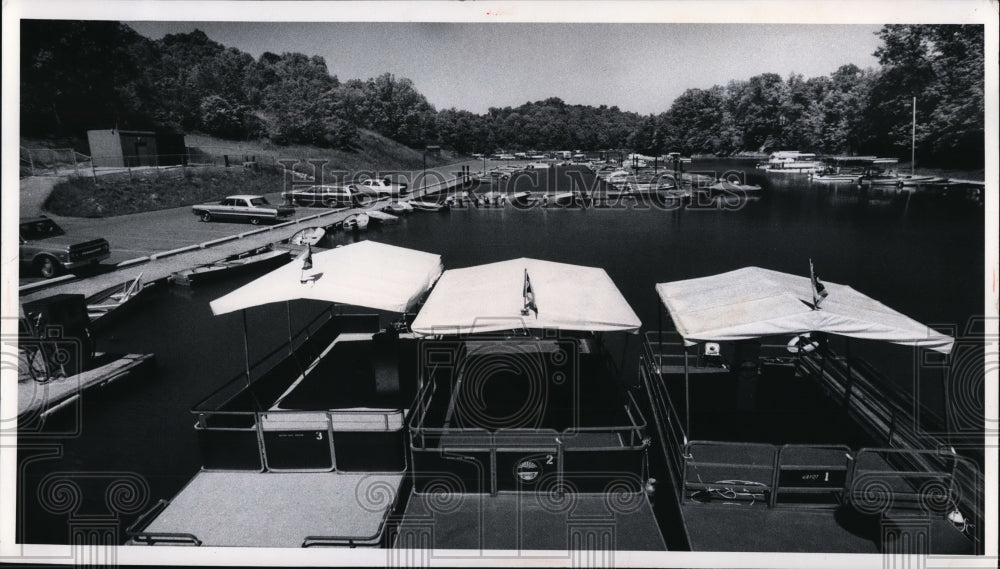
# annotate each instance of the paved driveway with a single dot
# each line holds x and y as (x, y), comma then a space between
(142, 234)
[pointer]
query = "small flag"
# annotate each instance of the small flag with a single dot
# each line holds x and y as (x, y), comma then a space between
(307, 262)
(529, 296)
(819, 291)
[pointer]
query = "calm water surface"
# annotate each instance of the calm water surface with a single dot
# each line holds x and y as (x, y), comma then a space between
(923, 257)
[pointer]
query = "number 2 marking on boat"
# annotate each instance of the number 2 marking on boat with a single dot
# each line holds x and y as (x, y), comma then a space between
(548, 459)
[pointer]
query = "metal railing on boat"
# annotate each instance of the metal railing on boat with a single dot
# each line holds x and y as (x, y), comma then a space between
(917, 472)
(240, 417)
(554, 447)
(137, 532)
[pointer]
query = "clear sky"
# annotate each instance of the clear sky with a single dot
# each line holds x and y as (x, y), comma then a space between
(474, 66)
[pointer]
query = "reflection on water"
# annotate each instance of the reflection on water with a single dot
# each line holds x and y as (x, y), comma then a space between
(919, 255)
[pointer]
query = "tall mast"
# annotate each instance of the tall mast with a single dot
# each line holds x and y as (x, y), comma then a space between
(913, 138)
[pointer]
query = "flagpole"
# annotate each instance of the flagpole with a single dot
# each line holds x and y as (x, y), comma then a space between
(812, 283)
(306, 263)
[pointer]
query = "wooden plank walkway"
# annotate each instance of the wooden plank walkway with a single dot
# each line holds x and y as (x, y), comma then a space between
(162, 265)
(34, 398)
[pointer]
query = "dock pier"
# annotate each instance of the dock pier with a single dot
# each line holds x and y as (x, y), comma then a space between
(36, 400)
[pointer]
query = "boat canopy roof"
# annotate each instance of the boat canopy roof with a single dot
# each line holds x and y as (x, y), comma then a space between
(367, 273)
(753, 302)
(852, 158)
(490, 298)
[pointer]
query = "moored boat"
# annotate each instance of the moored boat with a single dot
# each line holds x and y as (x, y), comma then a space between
(356, 222)
(308, 449)
(839, 169)
(774, 444)
(428, 205)
(834, 176)
(526, 422)
(492, 197)
(793, 161)
(882, 172)
(915, 180)
(397, 207)
(259, 259)
(734, 187)
(565, 199)
(381, 217)
(109, 305)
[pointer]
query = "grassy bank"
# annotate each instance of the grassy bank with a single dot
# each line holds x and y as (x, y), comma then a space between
(154, 189)
(371, 152)
(110, 196)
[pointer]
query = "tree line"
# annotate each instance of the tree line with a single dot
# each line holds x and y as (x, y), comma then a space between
(81, 75)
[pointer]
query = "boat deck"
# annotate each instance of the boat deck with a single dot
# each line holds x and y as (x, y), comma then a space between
(356, 371)
(530, 521)
(255, 509)
(733, 527)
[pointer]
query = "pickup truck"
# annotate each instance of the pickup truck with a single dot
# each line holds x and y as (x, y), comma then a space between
(46, 247)
(254, 209)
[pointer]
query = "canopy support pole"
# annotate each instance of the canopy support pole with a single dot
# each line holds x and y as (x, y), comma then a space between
(621, 367)
(850, 378)
(946, 381)
(659, 339)
(288, 321)
(246, 346)
(687, 397)
(823, 353)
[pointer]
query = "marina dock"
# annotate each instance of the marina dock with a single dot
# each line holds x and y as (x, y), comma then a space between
(37, 399)
(162, 265)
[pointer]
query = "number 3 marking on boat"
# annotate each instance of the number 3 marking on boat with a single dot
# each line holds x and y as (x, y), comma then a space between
(319, 435)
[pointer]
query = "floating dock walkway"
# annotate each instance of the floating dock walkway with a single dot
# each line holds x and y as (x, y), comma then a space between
(162, 265)
(36, 400)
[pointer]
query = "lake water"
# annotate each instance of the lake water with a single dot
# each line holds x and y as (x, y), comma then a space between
(921, 256)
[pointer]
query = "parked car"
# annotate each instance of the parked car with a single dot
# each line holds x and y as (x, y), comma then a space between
(254, 209)
(47, 248)
(380, 188)
(322, 196)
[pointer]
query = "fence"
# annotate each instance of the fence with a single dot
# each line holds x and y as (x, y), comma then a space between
(69, 162)
(52, 162)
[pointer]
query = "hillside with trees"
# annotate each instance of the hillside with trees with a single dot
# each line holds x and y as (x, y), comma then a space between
(81, 75)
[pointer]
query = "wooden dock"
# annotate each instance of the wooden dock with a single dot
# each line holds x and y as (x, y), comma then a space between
(162, 265)
(37, 399)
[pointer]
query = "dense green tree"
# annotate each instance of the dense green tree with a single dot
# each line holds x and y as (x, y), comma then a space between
(695, 119)
(77, 76)
(392, 107)
(942, 66)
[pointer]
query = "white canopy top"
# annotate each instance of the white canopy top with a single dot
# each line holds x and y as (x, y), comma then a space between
(489, 298)
(753, 302)
(367, 273)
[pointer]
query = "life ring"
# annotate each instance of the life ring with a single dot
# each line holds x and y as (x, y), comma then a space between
(802, 344)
